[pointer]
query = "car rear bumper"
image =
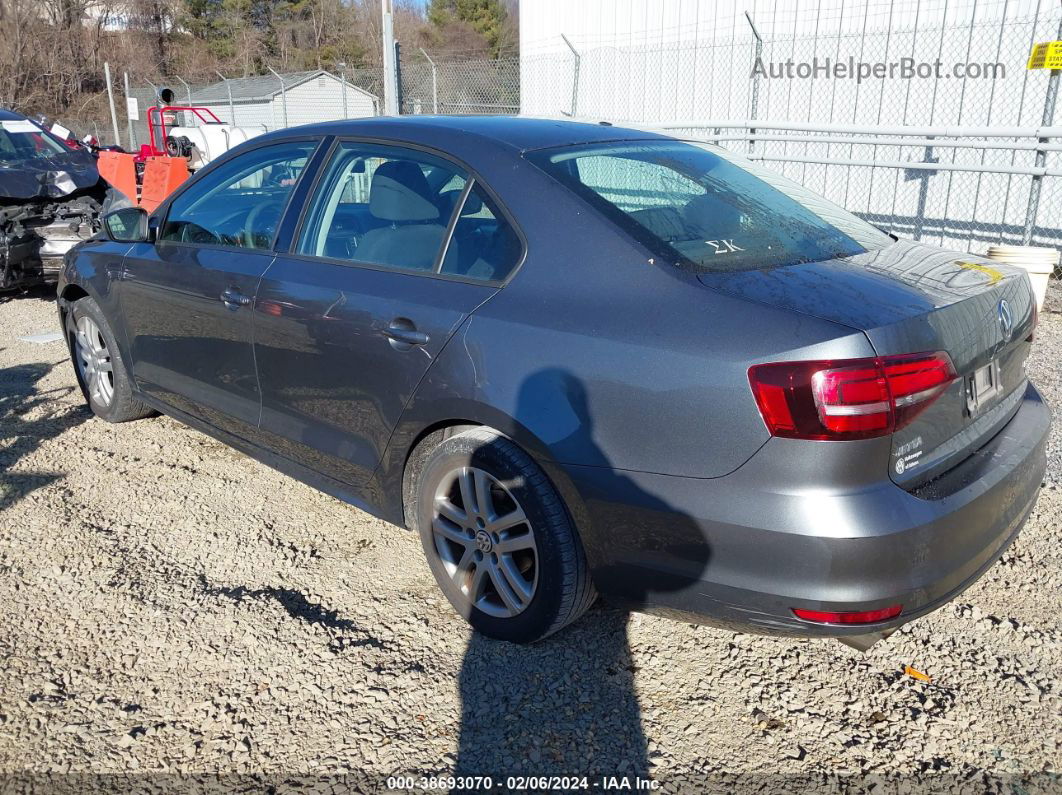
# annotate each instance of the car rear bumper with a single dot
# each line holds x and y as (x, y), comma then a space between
(735, 553)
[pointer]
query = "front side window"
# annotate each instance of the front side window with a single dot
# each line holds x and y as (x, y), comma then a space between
(241, 202)
(383, 205)
(701, 208)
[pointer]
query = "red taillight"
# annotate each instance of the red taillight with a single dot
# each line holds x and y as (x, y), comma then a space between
(858, 617)
(850, 398)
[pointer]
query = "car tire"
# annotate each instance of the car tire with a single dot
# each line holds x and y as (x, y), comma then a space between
(98, 364)
(464, 494)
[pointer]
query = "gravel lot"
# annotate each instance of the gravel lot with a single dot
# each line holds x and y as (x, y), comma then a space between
(168, 606)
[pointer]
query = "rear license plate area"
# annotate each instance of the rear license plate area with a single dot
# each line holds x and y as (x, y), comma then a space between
(983, 386)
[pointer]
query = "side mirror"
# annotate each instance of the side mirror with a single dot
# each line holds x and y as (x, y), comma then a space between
(127, 225)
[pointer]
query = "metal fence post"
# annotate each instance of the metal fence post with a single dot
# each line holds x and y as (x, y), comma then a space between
(283, 94)
(754, 110)
(398, 75)
(110, 100)
(187, 90)
(1041, 154)
(434, 84)
(575, 77)
(343, 86)
(129, 119)
(188, 94)
(228, 90)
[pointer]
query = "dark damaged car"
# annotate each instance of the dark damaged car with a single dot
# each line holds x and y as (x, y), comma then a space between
(51, 197)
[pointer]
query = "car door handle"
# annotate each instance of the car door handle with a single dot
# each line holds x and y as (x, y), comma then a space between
(404, 332)
(233, 299)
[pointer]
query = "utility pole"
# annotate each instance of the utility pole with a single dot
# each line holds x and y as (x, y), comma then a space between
(390, 75)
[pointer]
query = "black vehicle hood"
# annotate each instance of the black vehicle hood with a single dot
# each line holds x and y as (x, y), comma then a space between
(872, 289)
(32, 179)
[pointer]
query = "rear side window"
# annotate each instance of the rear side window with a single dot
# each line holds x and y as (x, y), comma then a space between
(240, 203)
(700, 208)
(484, 244)
(395, 207)
(383, 205)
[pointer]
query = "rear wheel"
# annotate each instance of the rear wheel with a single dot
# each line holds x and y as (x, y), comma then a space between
(497, 537)
(99, 366)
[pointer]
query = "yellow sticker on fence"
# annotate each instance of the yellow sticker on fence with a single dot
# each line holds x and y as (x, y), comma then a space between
(1046, 55)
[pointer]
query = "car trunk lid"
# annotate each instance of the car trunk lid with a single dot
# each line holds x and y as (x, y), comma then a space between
(911, 298)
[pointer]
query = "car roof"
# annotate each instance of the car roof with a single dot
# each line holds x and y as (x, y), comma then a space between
(521, 133)
(9, 115)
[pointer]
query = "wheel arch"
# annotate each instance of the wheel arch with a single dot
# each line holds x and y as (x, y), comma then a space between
(70, 294)
(73, 292)
(408, 445)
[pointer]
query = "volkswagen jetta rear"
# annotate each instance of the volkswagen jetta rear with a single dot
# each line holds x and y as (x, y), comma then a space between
(894, 473)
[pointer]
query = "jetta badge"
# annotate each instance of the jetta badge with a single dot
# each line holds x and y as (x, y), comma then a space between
(1006, 320)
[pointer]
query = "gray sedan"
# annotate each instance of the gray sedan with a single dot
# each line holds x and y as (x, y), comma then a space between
(580, 359)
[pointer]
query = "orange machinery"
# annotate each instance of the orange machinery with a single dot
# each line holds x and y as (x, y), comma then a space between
(162, 172)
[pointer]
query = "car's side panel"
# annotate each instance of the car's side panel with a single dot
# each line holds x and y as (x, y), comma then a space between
(333, 384)
(189, 334)
(94, 267)
(312, 478)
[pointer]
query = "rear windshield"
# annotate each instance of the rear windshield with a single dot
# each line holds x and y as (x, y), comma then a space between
(22, 140)
(706, 209)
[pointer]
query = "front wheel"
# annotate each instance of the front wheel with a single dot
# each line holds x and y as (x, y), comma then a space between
(498, 538)
(99, 366)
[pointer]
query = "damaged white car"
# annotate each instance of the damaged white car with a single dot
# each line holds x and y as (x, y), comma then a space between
(51, 198)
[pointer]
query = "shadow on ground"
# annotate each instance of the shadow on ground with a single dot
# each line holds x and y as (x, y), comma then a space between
(29, 417)
(42, 292)
(567, 705)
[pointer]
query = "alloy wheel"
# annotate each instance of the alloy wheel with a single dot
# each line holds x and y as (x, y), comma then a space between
(94, 361)
(485, 542)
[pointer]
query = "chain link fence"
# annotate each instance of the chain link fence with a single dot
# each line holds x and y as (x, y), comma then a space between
(455, 87)
(941, 183)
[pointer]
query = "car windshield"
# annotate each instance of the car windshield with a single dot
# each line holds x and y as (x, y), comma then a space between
(706, 209)
(22, 140)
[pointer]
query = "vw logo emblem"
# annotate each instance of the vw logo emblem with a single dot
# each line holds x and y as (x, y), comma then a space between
(483, 542)
(1006, 320)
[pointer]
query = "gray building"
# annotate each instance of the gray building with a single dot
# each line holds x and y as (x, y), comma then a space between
(307, 97)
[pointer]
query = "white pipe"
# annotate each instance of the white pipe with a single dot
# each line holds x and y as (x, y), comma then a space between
(946, 132)
(976, 167)
(811, 139)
